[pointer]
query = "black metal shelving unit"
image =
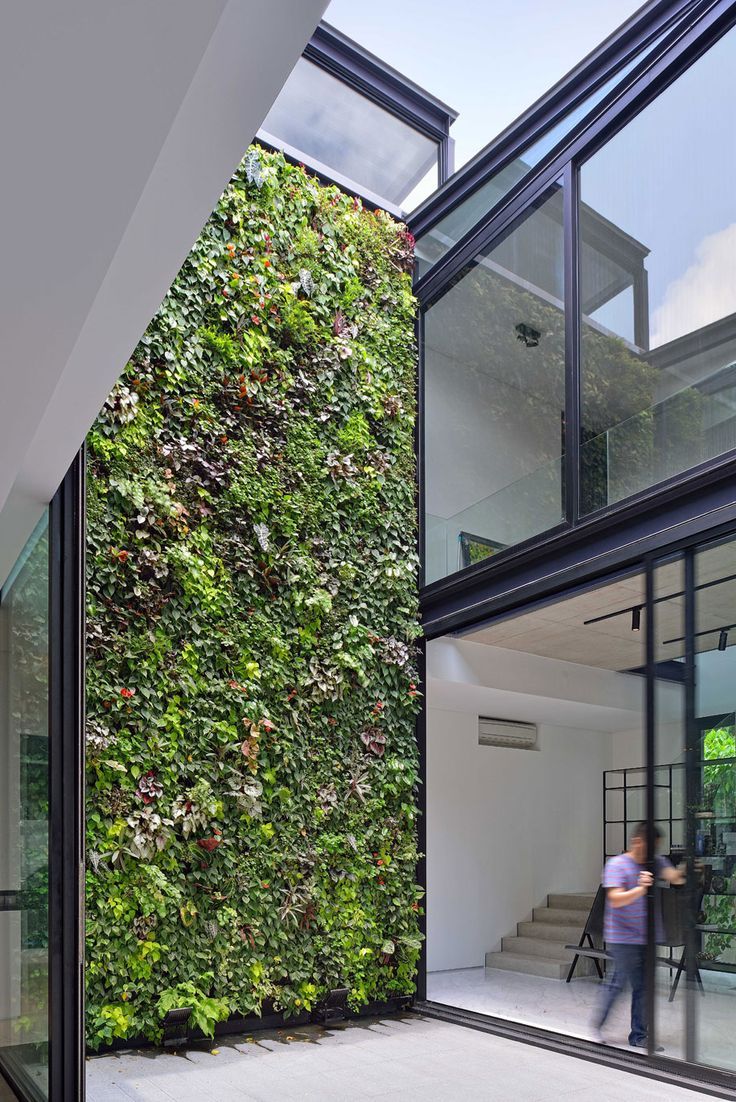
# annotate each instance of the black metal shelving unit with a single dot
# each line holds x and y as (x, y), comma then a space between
(622, 811)
(624, 805)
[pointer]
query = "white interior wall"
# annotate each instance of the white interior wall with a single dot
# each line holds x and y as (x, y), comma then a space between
(504, 828)
(478, 438)
(715, 681)
(507, 827)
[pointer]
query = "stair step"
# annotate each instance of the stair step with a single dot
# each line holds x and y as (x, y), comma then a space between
(564, 916)
(574, 901)
(537, 947)
(533, 965)
(552, 930)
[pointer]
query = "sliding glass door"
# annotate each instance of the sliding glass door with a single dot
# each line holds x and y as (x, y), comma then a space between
(24, 815)
(691, 652)
(41, 807)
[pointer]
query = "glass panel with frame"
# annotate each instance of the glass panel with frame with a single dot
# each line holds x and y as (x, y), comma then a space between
(494, 383)
(695, 743)
(24, 814)
(714, 828)
(671, 901)
(437, 241)
(519, 892)
(658, 288)
(342, 133)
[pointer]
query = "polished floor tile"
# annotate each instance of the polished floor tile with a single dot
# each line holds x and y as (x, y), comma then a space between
(409, 1058)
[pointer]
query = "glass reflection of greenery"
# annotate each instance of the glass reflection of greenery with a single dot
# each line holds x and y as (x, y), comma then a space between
(719, 801)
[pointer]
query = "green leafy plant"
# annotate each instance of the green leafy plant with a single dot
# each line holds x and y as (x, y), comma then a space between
(719, 795)
(206, 1011)
(252, 623)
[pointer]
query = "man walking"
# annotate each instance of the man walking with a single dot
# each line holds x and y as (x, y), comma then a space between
(627, 881)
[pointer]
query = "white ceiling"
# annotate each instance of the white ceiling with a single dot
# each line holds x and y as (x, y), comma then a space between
(121, 124)
(560, 630)
(468, 676)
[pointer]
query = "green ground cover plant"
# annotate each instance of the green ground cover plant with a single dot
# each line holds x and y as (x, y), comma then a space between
(252, 624)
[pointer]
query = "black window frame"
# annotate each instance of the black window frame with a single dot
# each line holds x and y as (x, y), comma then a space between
(66, 646)
(619, 49)
(384, 86)
(612, 525)
(683, 546)
(67, 588)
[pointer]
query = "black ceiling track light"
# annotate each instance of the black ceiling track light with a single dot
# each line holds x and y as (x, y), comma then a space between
(663, 600)
(721, 632)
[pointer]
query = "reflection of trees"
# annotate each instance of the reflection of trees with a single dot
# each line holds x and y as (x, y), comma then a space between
(719, 796)
(26, 609)
(475, 326)
(617, 390)
(519, 389)
(629, 441)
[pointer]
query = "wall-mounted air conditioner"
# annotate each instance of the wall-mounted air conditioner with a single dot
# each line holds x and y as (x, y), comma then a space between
(506, 732)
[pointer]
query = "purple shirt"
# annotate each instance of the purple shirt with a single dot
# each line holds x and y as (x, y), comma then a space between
(628, 925)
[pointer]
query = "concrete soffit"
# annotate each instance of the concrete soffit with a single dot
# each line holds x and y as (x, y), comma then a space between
(122, 124)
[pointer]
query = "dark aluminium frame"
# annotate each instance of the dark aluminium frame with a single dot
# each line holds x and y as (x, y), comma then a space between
(671, 517)
(702, 491)
(66, 794)
(66, 759)
(377, 82)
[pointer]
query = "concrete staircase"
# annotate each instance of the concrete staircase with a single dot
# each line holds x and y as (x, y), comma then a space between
(538, 947)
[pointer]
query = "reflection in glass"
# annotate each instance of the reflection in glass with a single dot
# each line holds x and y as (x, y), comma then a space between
(673, 903)
(24, 810)
(340, 131)
(658, 288)
(696, 744)
(714, 832)
(438, 240)
(494, 362)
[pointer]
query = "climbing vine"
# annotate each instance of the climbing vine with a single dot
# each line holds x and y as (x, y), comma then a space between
(252, 618)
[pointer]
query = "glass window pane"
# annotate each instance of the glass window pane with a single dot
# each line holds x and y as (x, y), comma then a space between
(437, 241)
(494, 368)
(337, 129)
(672, 904)
(24, 809)
(658, 288)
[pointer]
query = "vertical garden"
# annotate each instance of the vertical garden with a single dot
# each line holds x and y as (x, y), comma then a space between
(252, 617)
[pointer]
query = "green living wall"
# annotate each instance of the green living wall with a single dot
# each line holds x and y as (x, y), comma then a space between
(252, 617)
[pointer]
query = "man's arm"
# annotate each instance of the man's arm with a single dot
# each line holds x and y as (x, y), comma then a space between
(620, 897)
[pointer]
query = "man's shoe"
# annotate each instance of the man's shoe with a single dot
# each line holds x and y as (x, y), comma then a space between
(643, 1044)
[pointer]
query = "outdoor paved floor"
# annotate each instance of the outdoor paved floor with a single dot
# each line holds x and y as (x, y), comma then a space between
(409, 1058)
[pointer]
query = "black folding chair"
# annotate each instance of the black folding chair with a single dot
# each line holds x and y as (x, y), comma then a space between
(676, 917)
(593, 935)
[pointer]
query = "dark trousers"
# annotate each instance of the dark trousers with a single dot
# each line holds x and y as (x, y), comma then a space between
(628, 968)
